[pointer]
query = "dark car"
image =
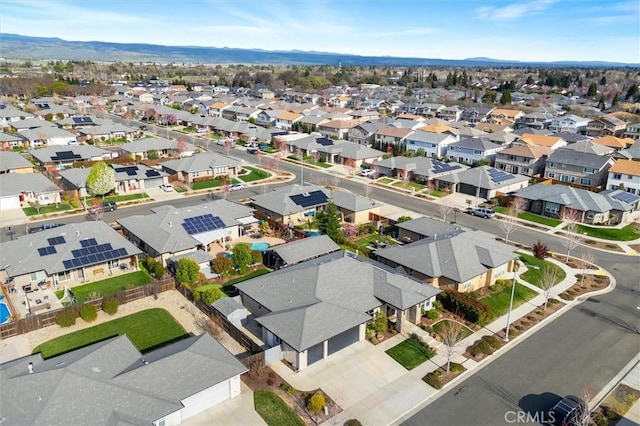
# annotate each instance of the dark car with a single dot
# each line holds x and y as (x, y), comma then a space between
(109, 206)
(143, 127)
(44, 227)
(253, 151)
(569, 411)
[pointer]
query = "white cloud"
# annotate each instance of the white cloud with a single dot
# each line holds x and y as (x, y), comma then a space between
(514, 10)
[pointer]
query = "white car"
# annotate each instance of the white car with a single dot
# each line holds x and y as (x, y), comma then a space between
(367, 173)
(167, 187)
(236, 187)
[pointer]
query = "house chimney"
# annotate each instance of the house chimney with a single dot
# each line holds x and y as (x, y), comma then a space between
(170, 224)
(30, 368)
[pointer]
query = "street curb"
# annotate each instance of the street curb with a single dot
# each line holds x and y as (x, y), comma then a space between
(615, 381)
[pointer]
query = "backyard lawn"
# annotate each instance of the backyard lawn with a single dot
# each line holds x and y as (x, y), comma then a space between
(274, 411)
(628, 233)
(410, 353)
(534, 271)
(31, 211)
(109, 286)
(147, 330)
(255, 174)
(498, 301)
(364, 242)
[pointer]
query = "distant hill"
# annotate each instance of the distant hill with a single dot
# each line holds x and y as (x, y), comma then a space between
(13, 46)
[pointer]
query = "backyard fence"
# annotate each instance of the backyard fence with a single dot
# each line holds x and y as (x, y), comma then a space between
(48, 318)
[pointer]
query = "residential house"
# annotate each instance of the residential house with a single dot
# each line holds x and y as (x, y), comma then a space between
(463, 261)
(364, 133)
(428, 110)
(129, 179)
(594, 208)
(535, 120)
(472, 150)
(293, 204)
(310, 123)
(164, 148)
(505, 116)
(9, 141)
(589, 146)
(286, 119)
(418, 169)
(267, 117)
(552, 142)
(424, 227)
(631, 153)
(10, 114)
(240, 114)
(581, 168)
(607, 125)
(572, 138)
(434, 145)
(114, 382)
(614, 142)
(451, 114)
(298, 251)
(625, 175)
(21, 189)
(68, 255)
(528, 160)
(12, 162)
(482, 182)
(44, 109)
(632, 131)
(338, 129)
(493, 128)
(501, 138)
(171, 231)
(108, 132)
(440, 128)
(365, 115)
(48, 136)
(569, 123)
(354, 208)
(203, 166)
(58, 158)
(475, 115)
(469, 132)
(309, 312)
(392, 135)
(217, 108)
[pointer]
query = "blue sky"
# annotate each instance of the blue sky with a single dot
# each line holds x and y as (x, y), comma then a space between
(529, 30)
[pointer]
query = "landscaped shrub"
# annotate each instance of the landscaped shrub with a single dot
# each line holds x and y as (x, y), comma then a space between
(316, 403)
(492, 341)
(433, 314)
(211, 295)
(89, 313)
(380, 324)
(74, 203)
(66, 318)
(257, 256)
(433, 379)
(352, 422)
(480, 347)
(187, 271)
(454, 367)
(110, 305)
(469, 308)
(242, 257)
(222, 265)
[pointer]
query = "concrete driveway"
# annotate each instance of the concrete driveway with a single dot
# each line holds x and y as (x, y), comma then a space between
(349, 376)
(238, 411)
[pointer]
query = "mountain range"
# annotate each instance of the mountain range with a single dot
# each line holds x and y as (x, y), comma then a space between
(19, 47)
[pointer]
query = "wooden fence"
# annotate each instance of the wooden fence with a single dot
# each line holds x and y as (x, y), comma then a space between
(48, 318)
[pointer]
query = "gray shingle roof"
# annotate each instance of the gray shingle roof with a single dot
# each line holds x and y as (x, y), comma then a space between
(480, 176)
(458, 257)
(163, 230)
(577, 158)
(148, 144)
(305, 249)
(108, 383)
(353, 202)
(311, 302)
(200, 162)
(86, 152)
(422, 166)
(475, 143)
(578, 199)
(23, 257)
(13, 184)
(12, 160)
(280, 202)
(632, 153)
(428, 227)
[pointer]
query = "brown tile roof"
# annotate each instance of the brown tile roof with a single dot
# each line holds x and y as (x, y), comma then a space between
(340, 124)
(528, 151)
(627, 167)
(491, 128)
(437, 128)
(509, 113)
(414, 117)
(540, 140)
(614, 142)
(394, 132)
(290, 116)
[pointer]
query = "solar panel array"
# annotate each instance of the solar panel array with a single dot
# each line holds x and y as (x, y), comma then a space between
(314, 198)
(498, 176)
(130, 170)
(88, 242)
(91, 254)
(152, 173)
(56, 240)
(325, 141)
(45, 251)
(625, 197)
(82, 120)
(200, 224)
(66, 155)
(442, 167)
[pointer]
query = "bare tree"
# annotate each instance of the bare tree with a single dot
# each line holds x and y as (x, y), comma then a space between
(206, 325)
(450, 334)
(571, 238)
(517, 205)
(445, 209)
(587, 256)
(36, 205)
(548, 279)
(367, 190)
(508, 224)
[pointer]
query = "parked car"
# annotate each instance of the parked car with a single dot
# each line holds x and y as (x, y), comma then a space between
(253, 151)
(143, 127)
(43, 227)
(236, 187)
(109, 206)
(569, 411)
(167, 187)
(483, 212)
(367, 173)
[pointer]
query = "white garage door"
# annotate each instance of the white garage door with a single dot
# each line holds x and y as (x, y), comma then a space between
(206, 399)
(9, 203)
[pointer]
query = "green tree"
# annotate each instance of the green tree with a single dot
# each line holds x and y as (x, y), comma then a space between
(483, 162)
(153, 155)
(593, 89)
(211, 295)
(601, 105)
(242, 257)
(222, 265)
(329, 222)
(404, 219)
(101, 179)
(615, 100)
(632, 93)
(505, 99)
(187, 271)
(380, 324)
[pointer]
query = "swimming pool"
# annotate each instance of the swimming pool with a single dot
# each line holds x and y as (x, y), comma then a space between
(4, 311)
(312, 233)
(260, 246)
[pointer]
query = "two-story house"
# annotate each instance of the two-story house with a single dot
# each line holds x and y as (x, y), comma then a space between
(363, 133)
(625, 175)
(553, 142)
(632, 131)
(582, 168)
(451, 114)
(428, 110)
(392, 134)
(472, 150)
(606, 126)
(434, 144)
(474, 115)
(505, 116)
(286, 119)
(535, 120)
(569, 123)
(523, 159)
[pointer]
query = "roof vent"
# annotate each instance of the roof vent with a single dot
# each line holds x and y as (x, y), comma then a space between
(170, 224)
(143, 361)
(95, 369)
(30, 368)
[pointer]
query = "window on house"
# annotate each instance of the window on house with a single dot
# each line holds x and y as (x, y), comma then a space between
(553, 164)
(551, 175)
(617, 176)
(629, 177)
(589, 170)
(586, 182)
(477, 152)
(589, 215)
(37, 276)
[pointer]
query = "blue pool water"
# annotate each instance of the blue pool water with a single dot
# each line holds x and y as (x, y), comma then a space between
(4, 311)
(312, 233)
(260, 246)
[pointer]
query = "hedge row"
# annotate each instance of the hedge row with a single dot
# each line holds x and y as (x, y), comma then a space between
(466, 306)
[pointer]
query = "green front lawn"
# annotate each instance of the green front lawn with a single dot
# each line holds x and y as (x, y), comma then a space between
(409, 353)
(544, 220)
(498, 301)
(147, 330)
(211, 183)
(311, 161)
(119, 198)
(274, 411)
(32, 211)
(409, 185)
(255, 174)
(109, 286)
(438, 193)
(628, 233)
(385, 181)
(534, 266)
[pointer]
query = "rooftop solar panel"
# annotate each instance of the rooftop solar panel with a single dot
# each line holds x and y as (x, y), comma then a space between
(200, 224)
(314, 198)
(88, 242)
(68, 264)
(65, 155)
(45, 251)
(625, 197)
(152, 173)
(56, 240)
